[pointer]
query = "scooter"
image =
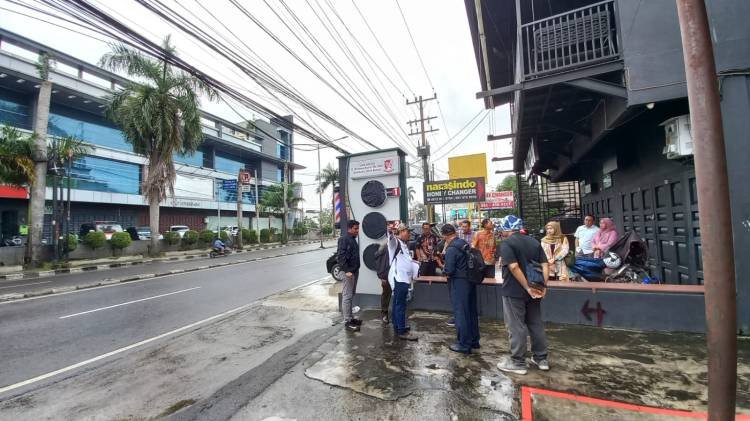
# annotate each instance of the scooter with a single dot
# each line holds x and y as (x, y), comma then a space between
(216, 253)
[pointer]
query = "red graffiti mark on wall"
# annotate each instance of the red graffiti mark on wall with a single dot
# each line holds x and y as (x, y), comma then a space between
(599, 310)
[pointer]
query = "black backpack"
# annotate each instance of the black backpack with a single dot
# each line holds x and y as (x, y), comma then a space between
(382, 263)
(474, 264)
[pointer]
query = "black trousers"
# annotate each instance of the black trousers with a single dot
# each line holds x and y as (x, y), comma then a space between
(385, 297)
(428, 268)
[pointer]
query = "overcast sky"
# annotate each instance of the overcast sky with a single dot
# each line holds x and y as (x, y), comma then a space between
(440, 30)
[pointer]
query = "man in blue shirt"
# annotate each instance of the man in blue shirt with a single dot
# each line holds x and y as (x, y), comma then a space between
(463, 293)
(219, 246)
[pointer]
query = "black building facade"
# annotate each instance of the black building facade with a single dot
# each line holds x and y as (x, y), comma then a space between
(597, 90)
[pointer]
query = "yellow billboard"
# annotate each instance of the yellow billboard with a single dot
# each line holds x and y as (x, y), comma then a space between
(468, 166)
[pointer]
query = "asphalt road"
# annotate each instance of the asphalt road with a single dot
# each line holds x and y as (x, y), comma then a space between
(40, 336)
(82, 278)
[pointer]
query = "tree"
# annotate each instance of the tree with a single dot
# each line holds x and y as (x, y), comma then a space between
(329, 176)
(16, 163)
(273, 200)
(158, 115)
(419, 211)
(509, 183)
(39, 156)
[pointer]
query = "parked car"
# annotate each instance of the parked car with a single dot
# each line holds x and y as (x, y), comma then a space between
(144, 233)
(179, 229)
(107, 227)
(231, 230)
(133, 233)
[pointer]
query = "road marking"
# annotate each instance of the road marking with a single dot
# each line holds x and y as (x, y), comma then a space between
(120, 283)
(129, 302)
(25, 285)
(305, 264)
(138, 344)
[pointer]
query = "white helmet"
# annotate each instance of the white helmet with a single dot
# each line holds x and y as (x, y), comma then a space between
(612, 260)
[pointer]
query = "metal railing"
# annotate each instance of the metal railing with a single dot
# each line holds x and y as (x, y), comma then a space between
(571, 39)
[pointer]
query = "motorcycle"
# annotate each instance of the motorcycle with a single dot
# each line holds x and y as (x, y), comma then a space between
(217, 253)
(14, 241)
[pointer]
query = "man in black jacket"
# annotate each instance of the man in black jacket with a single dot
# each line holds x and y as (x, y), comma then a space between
(347, 257)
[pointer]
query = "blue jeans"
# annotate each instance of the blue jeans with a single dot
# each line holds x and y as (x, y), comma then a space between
(399, 307)
(465, 312)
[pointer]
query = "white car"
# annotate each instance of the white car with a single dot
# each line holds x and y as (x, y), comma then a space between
(180, 229)
(231, 230)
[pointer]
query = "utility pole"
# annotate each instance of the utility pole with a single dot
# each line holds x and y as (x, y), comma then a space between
(423, 151)
(320, 199)
(239, 210)
(713, 206)
(257, 203)
(286, 205)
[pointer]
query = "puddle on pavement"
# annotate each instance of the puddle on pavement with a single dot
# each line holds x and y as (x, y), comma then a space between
(319, 297)
(654, 369)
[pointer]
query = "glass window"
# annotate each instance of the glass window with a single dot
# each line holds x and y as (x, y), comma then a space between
(279, 174)
(196, 159)
(228, 163)
(106, 175)
(90, 128)
(14, 112)
(247, 197)
(282, 151)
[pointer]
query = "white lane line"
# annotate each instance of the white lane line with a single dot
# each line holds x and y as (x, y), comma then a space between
(137, 344)
(304, 264)
(25, 285)
(129, 302)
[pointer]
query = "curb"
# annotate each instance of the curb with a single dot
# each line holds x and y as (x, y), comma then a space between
(48, 273)
(144, 276)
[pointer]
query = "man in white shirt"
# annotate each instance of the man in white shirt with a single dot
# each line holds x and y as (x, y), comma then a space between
(403, 270)
(584, 236)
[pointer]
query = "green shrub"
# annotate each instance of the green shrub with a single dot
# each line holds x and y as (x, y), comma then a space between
(190, 238)
(120, 240)
(299, 230)
(249, 236)
(327, 230)
(224, 236)
(72, 242)
(171, 237)
(265, 236)
(206, 236)
(95, 240)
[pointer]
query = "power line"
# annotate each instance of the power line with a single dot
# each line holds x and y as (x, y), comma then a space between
(464, 138)
(414, 44)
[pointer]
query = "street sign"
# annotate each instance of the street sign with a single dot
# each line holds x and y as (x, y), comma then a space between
(459, 190)
(246, 188)
(229, 184)
(393, 192)
(245, 177)
(498, 200)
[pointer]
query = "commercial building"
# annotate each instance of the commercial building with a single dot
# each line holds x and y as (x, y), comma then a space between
(106, 184)
(598, 96)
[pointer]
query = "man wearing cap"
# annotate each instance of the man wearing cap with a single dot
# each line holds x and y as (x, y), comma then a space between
(463, 293)
(522, 310)
(403, 270)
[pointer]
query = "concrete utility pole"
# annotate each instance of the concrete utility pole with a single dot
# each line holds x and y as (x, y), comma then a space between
(257, 203)
(713, 206)
(239, 210)
(320, 199)
(286, 205)
(423, 151)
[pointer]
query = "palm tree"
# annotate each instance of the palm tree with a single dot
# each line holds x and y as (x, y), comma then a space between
(273, 201)
(329, 176)
(158, 115)
(411, 192)
(17, 167)
(39, 155)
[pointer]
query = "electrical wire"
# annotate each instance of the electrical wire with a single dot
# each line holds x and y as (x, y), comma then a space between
(462, 140)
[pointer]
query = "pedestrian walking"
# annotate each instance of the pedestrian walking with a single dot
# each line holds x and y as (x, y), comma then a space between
(522, 296)
(347, 256)
(403, 270)
(463, 293)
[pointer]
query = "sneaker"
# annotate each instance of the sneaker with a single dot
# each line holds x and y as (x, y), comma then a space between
(386, 320)
(407, 336)
(351, 327)
(541, 364)
(356, 322)
(451, 322)
(458, 348)
(507, 365)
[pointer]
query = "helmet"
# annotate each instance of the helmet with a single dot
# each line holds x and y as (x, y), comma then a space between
(612, 260)
(511, 223)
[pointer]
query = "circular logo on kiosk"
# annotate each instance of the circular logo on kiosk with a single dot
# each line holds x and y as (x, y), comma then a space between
(373, 194)
(374, 225)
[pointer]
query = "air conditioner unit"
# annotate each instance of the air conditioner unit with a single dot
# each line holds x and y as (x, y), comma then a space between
(678, 139)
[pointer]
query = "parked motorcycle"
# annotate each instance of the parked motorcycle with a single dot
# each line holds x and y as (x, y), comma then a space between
(14, 241)
(216, 253)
